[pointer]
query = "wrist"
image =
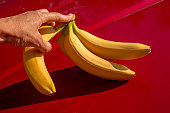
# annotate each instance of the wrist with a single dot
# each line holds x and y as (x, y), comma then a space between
(1, 32)
(3, 29)
(1, 25)
(4, 25)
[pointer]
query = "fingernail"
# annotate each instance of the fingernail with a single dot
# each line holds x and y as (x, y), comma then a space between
(72, 16)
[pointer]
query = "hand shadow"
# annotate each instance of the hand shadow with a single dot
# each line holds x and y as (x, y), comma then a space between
(69, 82)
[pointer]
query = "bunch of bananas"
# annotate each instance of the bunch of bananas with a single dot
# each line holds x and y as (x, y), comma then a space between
(89, 52)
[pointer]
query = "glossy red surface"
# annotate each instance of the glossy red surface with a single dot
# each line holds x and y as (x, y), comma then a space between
(143, 21)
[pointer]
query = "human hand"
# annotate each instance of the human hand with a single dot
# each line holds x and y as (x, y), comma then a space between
(22, 29)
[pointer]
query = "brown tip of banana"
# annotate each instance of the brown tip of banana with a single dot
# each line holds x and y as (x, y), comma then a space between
(149, 49)
(52, 93)
(134, 75)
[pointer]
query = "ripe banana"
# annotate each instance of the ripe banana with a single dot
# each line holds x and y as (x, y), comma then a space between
(90, 62)
(110, 49)
(34, 63)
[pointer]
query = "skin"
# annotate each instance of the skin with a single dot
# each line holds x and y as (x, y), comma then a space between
(22, 29)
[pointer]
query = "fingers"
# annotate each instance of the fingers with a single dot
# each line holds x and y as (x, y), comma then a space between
(54, 16)
(32, 41)
(42, 10)
(51, 17)
(52, 23)
(43, 45)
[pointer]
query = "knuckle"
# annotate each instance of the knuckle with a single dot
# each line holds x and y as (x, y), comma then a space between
(33, 15)
(39, 41)
(40, 16)
(58, 16)
(37, 13)
(43, 10)
(29, 12)
(36, 39)
(35, 43)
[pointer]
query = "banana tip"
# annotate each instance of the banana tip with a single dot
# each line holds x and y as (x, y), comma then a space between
(149, 49)
(134, 75)
(52, 94)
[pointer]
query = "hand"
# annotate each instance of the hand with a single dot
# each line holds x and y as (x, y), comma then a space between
(22, 29)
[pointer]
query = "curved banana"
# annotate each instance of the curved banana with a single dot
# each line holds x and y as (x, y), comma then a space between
(110, 49)
(91, 63)
(35, 66)
(37, 72)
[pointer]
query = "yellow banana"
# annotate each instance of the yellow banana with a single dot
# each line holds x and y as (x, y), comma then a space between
(91, 63)
(35, 66)
(110, 49)
(37, 72)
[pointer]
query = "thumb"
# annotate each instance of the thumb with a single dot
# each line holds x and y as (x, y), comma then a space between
(45, 46)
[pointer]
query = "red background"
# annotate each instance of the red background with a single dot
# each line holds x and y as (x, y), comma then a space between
(143, 21)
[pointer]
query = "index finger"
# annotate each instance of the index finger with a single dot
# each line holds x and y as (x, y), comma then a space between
(55, 16)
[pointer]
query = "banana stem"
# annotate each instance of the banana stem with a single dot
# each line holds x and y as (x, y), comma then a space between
(74, 25)
(74, 16)
(63, 25)
(59, 28)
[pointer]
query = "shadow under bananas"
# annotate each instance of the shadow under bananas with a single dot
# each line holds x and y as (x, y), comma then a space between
(69, 82)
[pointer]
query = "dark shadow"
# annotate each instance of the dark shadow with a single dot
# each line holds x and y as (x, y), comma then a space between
(47, 30)
(69, 82)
